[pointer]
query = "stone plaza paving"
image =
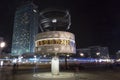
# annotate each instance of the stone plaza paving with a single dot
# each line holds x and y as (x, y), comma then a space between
(7, 73)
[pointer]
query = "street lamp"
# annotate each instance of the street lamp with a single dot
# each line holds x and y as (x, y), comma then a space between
(98, 53)
(2, 45)
(81, 54)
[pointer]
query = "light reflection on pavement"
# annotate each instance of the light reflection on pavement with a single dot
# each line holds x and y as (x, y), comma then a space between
(7, 73)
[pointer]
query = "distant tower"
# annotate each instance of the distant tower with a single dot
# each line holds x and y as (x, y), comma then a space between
(25, 29)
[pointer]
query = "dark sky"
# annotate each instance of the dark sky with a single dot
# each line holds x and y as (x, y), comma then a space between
(94, 22)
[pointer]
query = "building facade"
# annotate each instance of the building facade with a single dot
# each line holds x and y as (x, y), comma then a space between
(93, 52)
(99, 52)
(25, 29)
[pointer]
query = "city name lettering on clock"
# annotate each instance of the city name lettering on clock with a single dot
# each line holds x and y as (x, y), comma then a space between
(54, 41)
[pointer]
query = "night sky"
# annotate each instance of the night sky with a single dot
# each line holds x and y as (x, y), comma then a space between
(94, 22)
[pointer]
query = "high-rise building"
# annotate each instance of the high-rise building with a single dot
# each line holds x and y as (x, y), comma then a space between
(25, 29)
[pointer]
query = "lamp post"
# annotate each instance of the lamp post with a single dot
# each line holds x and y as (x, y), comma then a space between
(2, 45)
(81, 54)
(98, 54)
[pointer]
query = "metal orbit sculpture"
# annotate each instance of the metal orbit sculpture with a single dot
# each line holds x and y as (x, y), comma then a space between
(55, 19)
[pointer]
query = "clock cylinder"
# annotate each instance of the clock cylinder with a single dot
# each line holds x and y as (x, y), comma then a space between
(51, 42)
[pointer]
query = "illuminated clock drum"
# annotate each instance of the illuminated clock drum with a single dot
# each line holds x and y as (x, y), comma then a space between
(51, 42)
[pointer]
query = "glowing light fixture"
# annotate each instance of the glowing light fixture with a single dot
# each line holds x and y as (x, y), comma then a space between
(54, 20)
(98, 53)
(2, 44)
(81, 54)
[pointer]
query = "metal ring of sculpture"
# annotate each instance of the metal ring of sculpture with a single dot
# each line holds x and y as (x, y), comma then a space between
(54, 19)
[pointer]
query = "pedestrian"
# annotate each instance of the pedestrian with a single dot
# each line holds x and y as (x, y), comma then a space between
(14, 68)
